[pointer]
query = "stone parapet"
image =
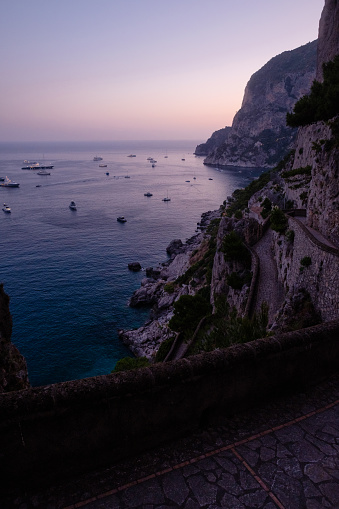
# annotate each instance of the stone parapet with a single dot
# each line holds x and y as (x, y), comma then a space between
(64, 429)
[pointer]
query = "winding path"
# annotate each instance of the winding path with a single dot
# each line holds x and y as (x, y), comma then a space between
(269, 288)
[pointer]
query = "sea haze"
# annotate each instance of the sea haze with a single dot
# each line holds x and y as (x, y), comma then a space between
(66, 271)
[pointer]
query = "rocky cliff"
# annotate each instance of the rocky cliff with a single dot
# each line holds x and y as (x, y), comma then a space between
(300, 247)
(259, 136)
(13, 369)
(328, 46)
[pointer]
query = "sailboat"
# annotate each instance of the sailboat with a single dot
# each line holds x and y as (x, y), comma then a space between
(167, 198)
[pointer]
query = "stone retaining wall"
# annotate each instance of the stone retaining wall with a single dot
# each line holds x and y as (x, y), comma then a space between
(64, 429)
(320, 279)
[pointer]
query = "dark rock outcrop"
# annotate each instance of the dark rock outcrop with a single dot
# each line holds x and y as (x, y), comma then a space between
(13, 368)
(175, 247)
(134, 266)
(259, 136)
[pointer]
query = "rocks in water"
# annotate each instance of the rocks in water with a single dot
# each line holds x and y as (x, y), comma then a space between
(175, 247)
(147, 294)
(134, 266)
(153, 273)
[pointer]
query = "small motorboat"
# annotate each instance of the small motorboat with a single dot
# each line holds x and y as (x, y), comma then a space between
(102, 165)
(97, 158)
(43, 172)
(107, 173)
(121, 219)
(166, 199)
(72, 205)
(6, 209)
(148, 194)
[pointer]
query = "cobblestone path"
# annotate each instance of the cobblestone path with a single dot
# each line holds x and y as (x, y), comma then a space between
(283, 455)
(269, 289)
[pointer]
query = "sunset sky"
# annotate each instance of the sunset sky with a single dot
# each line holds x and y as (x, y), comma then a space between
(137, 69)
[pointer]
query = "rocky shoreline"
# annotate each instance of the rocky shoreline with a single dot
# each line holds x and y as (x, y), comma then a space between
(156, 291)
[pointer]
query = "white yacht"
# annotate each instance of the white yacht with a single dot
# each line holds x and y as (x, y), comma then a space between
(9, 183)
(6, 208)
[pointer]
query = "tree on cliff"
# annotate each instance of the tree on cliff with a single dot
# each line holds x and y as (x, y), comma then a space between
(323, 101)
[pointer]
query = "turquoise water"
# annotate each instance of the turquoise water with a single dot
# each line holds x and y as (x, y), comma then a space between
(66, 272)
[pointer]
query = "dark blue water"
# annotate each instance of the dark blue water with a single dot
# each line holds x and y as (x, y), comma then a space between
(66, 272)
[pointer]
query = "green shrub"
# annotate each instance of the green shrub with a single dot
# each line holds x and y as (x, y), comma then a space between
(323, 101)
(290, 235)
(188, 311)
(127, 363)
(164, 349)
(267, 207)
(234, 248)
(169, 287)
(307, 170)
(235, 281)
(279, 221)
(306, 261)
(238, 214)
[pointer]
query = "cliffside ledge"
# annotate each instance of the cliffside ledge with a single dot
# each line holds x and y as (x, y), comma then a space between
(13, 368)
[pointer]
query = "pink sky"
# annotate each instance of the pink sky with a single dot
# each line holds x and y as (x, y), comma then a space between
(132, 69)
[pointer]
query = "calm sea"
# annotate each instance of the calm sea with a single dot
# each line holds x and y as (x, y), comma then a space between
(65, 271)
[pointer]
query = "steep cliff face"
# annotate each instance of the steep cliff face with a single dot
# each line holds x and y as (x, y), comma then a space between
(328, 46)
(13, 369)
(259, 136)
(218, 138)
(318, 149)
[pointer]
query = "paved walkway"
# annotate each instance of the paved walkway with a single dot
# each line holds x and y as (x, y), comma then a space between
(283, 455)
(269, 288)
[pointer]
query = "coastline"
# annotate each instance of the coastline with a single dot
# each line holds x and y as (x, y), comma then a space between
(146, 340)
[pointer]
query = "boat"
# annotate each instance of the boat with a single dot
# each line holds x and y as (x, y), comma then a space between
(183, 159)
(187, 181)
(6, 208)
(107, 173)
(121, 219)
(72, 205)
(97, 158)
(150, 159)
(132, 155)
(166, 199)
(153, 165)
(9, 183)
(102, 165)
(43, 172)
(148, 194)
(37, 166)
(2, 179)
(210, 178)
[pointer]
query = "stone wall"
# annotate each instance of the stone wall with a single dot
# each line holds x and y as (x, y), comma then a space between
(320, 279)
(60, 430)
